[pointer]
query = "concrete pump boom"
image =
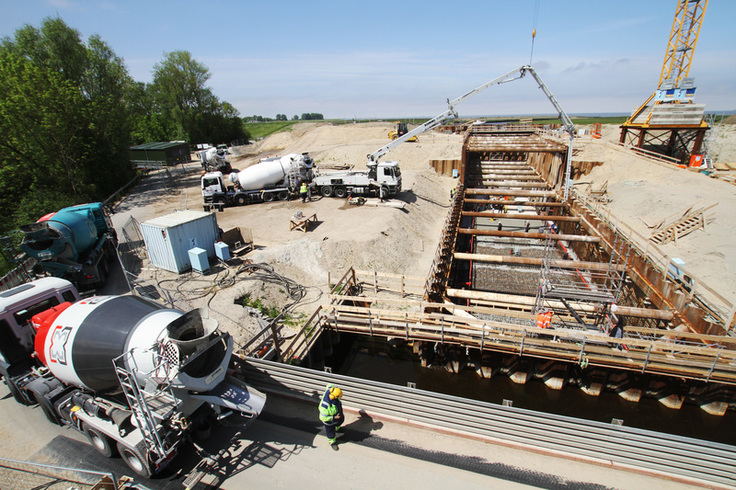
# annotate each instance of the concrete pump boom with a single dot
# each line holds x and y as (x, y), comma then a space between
(451, 112)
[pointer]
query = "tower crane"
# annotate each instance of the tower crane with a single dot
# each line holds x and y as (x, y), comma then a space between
(669, 122)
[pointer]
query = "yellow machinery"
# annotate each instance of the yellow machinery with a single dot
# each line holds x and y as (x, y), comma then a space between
(401, 130)
(669, 122)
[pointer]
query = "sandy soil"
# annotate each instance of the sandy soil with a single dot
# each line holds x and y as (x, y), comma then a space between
(643, 191)
(404, 241)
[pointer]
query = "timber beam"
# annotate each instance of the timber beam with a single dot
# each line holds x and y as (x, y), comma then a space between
(560, 264)
(529, 301)
(531, 216)
(510, 192)
(515, 203)
(521, 234)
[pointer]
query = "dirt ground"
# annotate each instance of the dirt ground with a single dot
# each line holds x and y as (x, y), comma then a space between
(404, 240)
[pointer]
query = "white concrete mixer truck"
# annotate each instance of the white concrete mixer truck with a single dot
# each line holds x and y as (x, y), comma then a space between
(271, 179)
(136, 378)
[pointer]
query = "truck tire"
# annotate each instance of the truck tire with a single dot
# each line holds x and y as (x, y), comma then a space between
(240, 201)
(326, 191)
(269, 197)
(135, 460)
(283, 196)
(340, 192)
(102, 443)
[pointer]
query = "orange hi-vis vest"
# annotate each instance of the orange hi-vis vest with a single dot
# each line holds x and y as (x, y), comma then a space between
(544, 319)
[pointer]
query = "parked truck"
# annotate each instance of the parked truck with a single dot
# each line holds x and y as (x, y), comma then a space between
(134, 377)
(215, 160)
(382, 179)
(271, 179)
(75, 243)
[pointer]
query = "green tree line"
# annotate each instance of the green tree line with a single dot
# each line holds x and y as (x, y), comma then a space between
(69, 112)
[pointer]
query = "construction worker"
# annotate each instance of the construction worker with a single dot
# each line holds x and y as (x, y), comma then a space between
(330, 413)
(303, 191)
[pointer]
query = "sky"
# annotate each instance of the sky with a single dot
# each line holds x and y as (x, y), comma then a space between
(405, 58)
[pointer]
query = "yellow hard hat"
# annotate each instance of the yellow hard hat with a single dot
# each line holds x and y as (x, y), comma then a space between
(335, 392)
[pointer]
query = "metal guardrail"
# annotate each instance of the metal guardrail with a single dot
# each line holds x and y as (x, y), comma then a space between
(608, 443)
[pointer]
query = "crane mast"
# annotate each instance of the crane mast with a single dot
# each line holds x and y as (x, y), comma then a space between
(668, 122)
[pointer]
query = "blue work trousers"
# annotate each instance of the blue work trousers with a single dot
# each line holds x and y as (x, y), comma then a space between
(331, 427)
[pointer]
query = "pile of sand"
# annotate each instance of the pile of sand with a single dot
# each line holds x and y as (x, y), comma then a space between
(644, 192)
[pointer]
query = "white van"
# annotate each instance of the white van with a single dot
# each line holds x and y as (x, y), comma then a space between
(18, 305)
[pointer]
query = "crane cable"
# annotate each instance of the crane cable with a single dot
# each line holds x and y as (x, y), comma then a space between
(534, 29)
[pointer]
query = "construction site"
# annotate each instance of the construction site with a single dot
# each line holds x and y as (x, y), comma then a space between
(596, 258)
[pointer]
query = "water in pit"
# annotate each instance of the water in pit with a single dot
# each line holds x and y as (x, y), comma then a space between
(376, 359)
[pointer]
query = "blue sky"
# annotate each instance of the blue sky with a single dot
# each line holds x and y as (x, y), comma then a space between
(404, 58)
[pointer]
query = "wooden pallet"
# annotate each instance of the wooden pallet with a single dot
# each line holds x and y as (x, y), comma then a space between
(681, 228)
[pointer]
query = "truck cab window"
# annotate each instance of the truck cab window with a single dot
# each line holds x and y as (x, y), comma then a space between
(69, 296)
(23, 316)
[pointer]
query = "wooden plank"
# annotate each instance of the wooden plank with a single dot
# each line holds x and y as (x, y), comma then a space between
(561, 264)
(521, 234)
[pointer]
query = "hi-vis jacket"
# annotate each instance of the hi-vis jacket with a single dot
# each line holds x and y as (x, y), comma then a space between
(329, 409)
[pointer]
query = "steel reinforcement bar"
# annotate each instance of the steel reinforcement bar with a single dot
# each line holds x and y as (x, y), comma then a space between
(607, 444)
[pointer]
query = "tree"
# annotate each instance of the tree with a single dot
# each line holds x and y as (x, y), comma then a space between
(64, 123)
(180, 94)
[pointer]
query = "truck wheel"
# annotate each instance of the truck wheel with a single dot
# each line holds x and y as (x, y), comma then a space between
(135, 460)
(269, 197)
(101, 442)
(240, 201)
(327, 191)
(283, 196)
(340, 192)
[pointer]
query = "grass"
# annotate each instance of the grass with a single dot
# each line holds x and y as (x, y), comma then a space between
(262, 129)
(583, 121)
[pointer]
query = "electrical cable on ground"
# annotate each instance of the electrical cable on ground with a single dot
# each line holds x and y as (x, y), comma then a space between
(193, 286)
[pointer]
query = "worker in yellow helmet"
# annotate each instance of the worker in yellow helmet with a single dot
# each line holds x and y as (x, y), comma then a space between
(330, 413)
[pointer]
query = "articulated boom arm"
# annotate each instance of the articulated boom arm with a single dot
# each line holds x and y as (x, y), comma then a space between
(440, 118)
(450, 112)
(569, 126)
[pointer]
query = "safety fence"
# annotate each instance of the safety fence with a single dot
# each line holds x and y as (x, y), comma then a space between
(664, 355)
(607, 444)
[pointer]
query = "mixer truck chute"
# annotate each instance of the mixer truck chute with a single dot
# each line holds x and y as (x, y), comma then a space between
(75, 243)
(131, 375)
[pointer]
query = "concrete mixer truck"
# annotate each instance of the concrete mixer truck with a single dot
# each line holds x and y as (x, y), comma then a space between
(271, 179)
(75, 243)
(134, 377)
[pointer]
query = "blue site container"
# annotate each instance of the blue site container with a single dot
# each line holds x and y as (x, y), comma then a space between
(198, 259)
(222, 251)
(169, 238)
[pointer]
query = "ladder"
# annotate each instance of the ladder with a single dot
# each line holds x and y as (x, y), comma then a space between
(151, 403)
